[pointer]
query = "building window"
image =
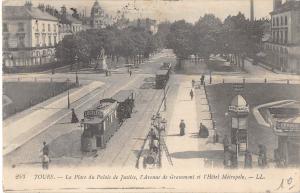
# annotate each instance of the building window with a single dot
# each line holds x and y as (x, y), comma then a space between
(49, 41)
(285, 20)
(44, 40)
(49, 27)
(21, 41)
(37, 40)
(5, 27)
(36, 26)
(43, 27)
(285, 36)
(21, 27)
(5, 42)
(55, 42)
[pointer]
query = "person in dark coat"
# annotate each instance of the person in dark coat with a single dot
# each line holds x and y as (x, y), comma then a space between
(182, 128)
(202, 79)
(248, 160)
(45, 149)
(192, 94)
(74, 117)
(203, 132)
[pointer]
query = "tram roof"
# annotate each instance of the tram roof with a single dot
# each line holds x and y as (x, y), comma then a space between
(162, 72)
(122, 95)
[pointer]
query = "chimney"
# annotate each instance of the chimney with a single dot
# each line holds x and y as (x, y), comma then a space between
(63, 11)
(276, 4)
(251, 10)
(28, 5)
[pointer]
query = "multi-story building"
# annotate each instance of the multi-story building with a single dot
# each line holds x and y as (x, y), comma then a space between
(68, 24)
(29, 36)
(99, 19)
(283, 50)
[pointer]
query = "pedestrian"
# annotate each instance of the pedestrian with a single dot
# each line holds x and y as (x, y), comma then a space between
(248, 160)
(192, 94)
(45, 162)
(226, 143)
(130, 72)
(74, 117)
(45, 149)
(193, 83)
(182, 128)
(203, 131)
(202, 79)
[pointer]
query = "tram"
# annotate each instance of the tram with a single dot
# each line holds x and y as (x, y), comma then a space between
(104, 119)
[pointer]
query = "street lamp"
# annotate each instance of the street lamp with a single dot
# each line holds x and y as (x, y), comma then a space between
(68, 80)
(76, 61)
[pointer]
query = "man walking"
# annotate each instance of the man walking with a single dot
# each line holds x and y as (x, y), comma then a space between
(192, 94)
(45, 149)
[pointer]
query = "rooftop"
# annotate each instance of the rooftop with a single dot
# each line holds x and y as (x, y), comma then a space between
(238, 101)
(288, 6)
(22, 12)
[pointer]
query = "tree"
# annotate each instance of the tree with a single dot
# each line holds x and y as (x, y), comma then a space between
(206, 36)
(179, 39)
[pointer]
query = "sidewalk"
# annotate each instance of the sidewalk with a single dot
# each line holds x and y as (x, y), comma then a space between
(190, 151)
(17, 128)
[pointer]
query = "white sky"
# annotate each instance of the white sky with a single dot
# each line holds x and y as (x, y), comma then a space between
(190, 10)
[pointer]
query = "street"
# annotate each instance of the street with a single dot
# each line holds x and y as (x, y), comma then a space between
(63, 137)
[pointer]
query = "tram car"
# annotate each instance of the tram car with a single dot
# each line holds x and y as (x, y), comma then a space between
(99, 125)
(161, 79)
(104, 119)
(125, 100)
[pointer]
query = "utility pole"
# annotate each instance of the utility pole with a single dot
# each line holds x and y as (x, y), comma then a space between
(165, 99)
(68, 99)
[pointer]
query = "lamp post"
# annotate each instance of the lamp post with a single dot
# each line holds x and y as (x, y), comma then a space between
(76, 61)
(68, 80)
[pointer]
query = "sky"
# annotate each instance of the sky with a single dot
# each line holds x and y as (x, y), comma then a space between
(162, 10)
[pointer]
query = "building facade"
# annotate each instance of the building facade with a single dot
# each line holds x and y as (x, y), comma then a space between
(283, 48)
(29, 36)
(99, 19)
(68, 24)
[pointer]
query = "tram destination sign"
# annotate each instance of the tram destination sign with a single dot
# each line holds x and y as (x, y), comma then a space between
(93, 113)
